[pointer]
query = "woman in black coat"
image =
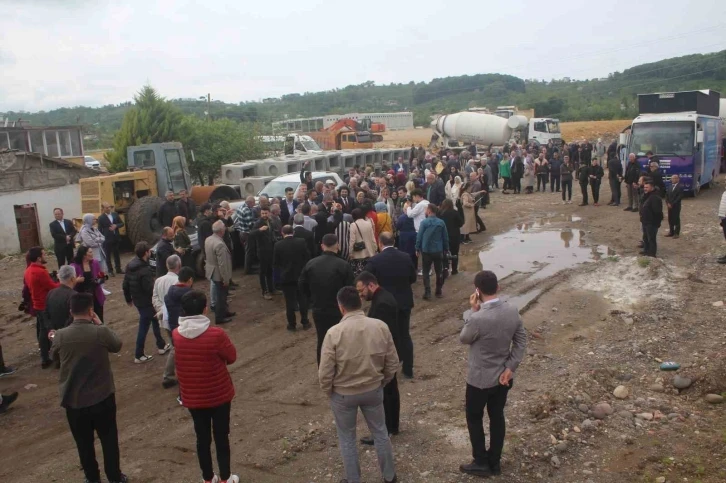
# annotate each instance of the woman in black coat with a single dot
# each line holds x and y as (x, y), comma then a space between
(454, 219)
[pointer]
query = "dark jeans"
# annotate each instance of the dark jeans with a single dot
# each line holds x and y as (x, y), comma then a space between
(293, 298)
(215, 421)
(266, 283)
(250, 254)
(495, 175)
(517, 184)
(111, 250)
(494, 400)
(554, 182)
(674, 219)
(567, 188)
(583, 189)
(507, 183)
(595, 187)
(454, 245)
(101, 419)
(64, 256)
(650, 245)
(220, 303)
(323, 322)
(404, 332)
(615, 190)
(479, 223)
(392, 405)
(542, 180)
(147, 317)
(437, 260)
(41, 333)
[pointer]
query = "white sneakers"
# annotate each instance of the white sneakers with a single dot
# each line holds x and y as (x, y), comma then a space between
(232, 479)
(142, 359)
(166, 349)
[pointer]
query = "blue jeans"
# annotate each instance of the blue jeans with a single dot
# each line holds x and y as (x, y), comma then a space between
(147, 317)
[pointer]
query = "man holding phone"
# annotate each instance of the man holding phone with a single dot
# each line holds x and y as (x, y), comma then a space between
(497, 340)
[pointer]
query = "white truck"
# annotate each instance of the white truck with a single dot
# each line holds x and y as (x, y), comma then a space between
(485, 129)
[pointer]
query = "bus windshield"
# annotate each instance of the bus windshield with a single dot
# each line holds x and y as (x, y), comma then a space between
(663, 138)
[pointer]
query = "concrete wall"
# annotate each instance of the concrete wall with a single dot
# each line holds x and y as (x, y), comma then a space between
(66, 197)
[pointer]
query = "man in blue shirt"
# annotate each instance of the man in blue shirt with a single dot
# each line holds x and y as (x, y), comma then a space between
(432, 240)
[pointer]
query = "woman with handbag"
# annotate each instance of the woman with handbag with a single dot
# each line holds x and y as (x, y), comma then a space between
(362, 241)
(91, 277)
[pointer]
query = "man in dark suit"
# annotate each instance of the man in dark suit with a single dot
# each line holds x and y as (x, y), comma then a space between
(434, 190)
(288, 206)
(383, 307)
(299, 231)
(109, 223)
(289, 257)
(673, 200)
(396, 272)
(346, 202)
(64, 234)
(168, 210)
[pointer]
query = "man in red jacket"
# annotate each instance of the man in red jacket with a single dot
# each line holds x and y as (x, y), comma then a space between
(202, 356)
(39, 284)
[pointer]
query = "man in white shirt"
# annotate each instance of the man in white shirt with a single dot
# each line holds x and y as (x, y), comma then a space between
(418, 212)
(161, 288)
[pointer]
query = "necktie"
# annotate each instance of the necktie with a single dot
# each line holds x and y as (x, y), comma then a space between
(63, 226)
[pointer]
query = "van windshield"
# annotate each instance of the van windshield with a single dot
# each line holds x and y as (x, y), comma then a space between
(662, 137)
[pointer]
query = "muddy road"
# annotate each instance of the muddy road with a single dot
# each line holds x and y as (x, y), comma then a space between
(597, 317)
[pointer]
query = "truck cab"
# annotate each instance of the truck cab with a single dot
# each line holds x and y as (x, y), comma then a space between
(300, 143)
(544, 129)
(167, 160)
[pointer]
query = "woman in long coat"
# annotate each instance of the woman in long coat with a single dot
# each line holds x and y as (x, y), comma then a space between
(90, 237)
(529, 175)
(467, 203)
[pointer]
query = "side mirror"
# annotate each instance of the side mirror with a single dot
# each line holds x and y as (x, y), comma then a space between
(699, 137)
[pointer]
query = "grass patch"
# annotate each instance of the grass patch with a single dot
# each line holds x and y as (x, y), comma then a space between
(643, 262)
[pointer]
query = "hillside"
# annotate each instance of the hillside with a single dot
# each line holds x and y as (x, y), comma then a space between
(614, 97)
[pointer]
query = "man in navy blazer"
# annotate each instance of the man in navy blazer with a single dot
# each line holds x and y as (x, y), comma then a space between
(395, 272)
(64, 235)
(288, 206)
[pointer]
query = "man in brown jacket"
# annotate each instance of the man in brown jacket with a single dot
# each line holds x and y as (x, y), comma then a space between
(358, 358)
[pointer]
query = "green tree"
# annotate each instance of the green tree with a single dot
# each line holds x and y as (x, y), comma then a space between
(152, 119)
(218, 142)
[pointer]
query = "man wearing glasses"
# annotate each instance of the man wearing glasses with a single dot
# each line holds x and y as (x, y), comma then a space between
(109, 224)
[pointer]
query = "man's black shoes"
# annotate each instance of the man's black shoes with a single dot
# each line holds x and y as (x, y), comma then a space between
(476, 469)
(7, 401)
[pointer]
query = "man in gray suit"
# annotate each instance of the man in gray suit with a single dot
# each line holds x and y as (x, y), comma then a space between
(496, 338)
(219, 270)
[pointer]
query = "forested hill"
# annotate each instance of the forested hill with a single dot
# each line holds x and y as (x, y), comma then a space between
(613, 97)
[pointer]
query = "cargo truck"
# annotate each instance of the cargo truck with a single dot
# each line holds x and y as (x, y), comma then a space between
(684, 131)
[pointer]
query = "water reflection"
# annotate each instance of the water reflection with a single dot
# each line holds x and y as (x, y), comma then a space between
(567, 237)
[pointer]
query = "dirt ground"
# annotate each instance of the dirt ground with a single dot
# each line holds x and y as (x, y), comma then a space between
(571, 131)
(604, 319)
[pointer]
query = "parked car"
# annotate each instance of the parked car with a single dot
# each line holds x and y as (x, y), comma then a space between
(197, 253)
(91, 162)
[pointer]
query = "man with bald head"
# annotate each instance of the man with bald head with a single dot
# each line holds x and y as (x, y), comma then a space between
(434, 190)
(164, 249)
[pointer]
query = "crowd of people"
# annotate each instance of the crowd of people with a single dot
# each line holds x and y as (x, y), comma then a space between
(325, 249)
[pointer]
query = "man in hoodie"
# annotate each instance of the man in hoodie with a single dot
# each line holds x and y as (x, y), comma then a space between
(39, 283)
(202, 356)
(358, 360)
(138, 287)
(651, 216)
(161, 288)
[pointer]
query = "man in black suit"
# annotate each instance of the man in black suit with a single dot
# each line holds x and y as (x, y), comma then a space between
(64, 234)
(299, 231)
(288, 206)
(396, 272)
(346, 202)
(108, 224)
(434, 189)
(673, 200)
(289, 257)
(168, 210)
(383, 307)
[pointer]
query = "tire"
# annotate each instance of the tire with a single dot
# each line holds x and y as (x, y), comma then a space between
(199, 264)
(143, 220)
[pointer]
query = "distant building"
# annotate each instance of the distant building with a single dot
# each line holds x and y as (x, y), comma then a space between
(394, 121)
(55, 141)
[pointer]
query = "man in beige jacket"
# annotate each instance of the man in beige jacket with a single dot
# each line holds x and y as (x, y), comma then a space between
(219, 269)
(358, 358)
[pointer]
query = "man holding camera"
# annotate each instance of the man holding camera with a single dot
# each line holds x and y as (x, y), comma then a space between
(497, 340)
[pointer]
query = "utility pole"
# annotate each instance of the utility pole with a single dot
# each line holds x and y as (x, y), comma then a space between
(209, 104)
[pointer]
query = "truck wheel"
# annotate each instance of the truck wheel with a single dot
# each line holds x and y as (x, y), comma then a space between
(199, 264)
(143, 220)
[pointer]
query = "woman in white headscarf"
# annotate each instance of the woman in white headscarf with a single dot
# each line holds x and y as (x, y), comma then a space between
(90, 237)
(453, 189)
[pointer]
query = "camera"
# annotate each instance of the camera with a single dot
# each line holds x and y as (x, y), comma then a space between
(102, 277)
(54, 276)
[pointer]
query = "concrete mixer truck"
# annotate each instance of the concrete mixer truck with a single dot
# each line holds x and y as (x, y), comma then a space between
(481, 128)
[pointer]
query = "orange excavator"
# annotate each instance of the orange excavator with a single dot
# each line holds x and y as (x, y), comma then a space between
(364, 125)
(345, 134)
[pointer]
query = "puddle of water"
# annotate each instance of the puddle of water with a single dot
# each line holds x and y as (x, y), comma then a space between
(539, 251)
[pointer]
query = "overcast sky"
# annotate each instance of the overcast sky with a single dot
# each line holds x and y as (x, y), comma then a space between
(56, 53)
